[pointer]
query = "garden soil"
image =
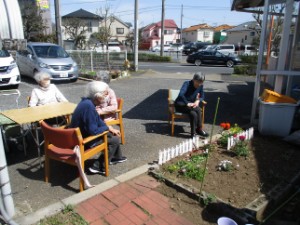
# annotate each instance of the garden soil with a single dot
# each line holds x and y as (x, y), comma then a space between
(270, 162)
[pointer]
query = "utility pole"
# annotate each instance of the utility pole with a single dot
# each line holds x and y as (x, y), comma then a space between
(162, 35)
(181, 24)
(58, 22)
(136, 36)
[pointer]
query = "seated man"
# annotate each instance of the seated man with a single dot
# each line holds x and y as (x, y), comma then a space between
(89, 122)
(188, 101)
(108, 104)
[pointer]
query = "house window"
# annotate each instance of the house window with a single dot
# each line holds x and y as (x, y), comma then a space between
(120, 30)
(206, 34)
(245, 37)
(252, 34)
(89, 25)
(168, 31)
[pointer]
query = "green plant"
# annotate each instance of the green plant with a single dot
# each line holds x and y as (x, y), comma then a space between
(206, 199)
(223, 140)
(241, 148)
(66, 217)
(225, 165)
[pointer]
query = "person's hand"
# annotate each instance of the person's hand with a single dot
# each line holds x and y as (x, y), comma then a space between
(114, 131)
(190, 104)
(98, 109)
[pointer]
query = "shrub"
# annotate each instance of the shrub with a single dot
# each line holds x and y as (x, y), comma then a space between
(149, 57)
(251, 59)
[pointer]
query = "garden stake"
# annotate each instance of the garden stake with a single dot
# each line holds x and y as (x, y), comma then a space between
(210, 140)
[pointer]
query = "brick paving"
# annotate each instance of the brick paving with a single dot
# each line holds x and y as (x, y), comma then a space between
(134, 202)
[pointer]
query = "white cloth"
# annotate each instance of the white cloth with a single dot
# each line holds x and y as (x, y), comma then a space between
(42, 96)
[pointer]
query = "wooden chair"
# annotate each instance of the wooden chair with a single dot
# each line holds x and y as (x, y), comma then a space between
(59, 144)
(177, 115)
(119, 119)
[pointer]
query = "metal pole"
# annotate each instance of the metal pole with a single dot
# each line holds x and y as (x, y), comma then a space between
(58, 22)
(181, 24)
(136, 36)
(162, 35)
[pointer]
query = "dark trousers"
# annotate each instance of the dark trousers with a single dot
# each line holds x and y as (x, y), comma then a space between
(114, 150)
(194, 115)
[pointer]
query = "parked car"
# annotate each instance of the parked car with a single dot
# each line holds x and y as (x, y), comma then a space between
(213, 57)
(250, 50)
(176, 47)
(112, 47)
(192, 47)
(225, 48)
(49, 58)
(9, 71)
(156, 48)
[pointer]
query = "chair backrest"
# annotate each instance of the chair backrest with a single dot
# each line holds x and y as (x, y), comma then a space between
(173, 94)
(120, 103)
(62, 138)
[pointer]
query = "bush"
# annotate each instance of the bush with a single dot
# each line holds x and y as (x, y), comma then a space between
(245, 69)
(149, 57)
(251, 59)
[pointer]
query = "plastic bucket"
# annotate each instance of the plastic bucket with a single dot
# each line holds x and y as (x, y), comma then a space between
(226, 221)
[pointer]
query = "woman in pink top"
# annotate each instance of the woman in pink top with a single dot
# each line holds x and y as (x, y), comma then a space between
(107, 107)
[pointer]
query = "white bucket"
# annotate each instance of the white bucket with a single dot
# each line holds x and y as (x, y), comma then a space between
(226, 221)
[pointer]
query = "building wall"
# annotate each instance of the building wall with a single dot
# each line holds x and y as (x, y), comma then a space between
(116, 26)
(203, 35)
(240, 37)
(170, 37)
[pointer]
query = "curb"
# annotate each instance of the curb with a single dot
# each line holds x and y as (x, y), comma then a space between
(80, 197)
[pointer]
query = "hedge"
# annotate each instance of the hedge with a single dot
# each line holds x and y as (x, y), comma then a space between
(149, 57)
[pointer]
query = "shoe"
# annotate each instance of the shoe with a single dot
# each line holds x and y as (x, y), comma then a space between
(115, 161)
(95, 170)
(202, 133)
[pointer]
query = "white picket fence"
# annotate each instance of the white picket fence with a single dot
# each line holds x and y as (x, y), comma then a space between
(248, 134)
(184, 147)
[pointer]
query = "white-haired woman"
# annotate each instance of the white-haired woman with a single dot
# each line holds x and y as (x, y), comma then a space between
(90, 123)
(108, 103)
(45, 93)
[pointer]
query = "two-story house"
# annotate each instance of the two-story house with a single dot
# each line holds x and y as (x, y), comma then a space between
(243, 34)
(151, 34)
(200, 32)
(92, 23)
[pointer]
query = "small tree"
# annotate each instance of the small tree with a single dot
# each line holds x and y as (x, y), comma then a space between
(76, 29)
(32, 17)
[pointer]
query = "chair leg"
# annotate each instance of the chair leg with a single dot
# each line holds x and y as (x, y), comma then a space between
(172, 126)
(202, 119)
(106, 157)
(47, 169)
(122, 132)
(81, 181)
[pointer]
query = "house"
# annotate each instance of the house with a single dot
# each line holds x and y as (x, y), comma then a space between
(151, 34)
(243, 34)
(119, 29)
(92, 23)
(200, 32)
(88, 21)
(220, 34)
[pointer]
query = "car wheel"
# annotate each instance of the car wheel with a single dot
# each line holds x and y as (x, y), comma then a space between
(198, 62)
(229, 63)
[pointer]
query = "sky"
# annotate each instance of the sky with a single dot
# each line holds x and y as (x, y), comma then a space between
(212, 12)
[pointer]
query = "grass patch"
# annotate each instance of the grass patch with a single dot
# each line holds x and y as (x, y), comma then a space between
(66, 217)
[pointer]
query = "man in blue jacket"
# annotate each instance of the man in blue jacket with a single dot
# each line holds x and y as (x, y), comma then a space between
(188, 101)
(90, 123)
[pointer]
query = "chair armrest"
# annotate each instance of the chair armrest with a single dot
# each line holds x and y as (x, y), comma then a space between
(204, 102)
(91, 138)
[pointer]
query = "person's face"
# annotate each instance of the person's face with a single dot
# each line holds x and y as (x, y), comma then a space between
(45, 82)
(100, 100)
(197, 83)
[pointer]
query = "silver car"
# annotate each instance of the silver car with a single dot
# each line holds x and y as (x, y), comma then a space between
(47, 57)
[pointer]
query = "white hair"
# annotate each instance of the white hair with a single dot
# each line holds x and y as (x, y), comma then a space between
(39, 76)
(96, 89)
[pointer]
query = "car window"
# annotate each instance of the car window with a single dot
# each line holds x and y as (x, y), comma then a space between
(50, 51)
(218, 54)
(4, 53)
(207, 53)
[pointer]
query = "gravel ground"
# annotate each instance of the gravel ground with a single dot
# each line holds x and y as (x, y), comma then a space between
(146, 130)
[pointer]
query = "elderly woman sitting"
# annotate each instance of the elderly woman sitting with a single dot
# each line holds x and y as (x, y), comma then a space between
(46, 93)
(108, 104)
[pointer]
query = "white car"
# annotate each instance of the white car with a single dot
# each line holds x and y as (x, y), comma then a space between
(112, 47)
(176, 47)
(9, 71)
(157, 48)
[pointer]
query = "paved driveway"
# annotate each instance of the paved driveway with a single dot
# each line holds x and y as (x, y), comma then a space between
(146, 130)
